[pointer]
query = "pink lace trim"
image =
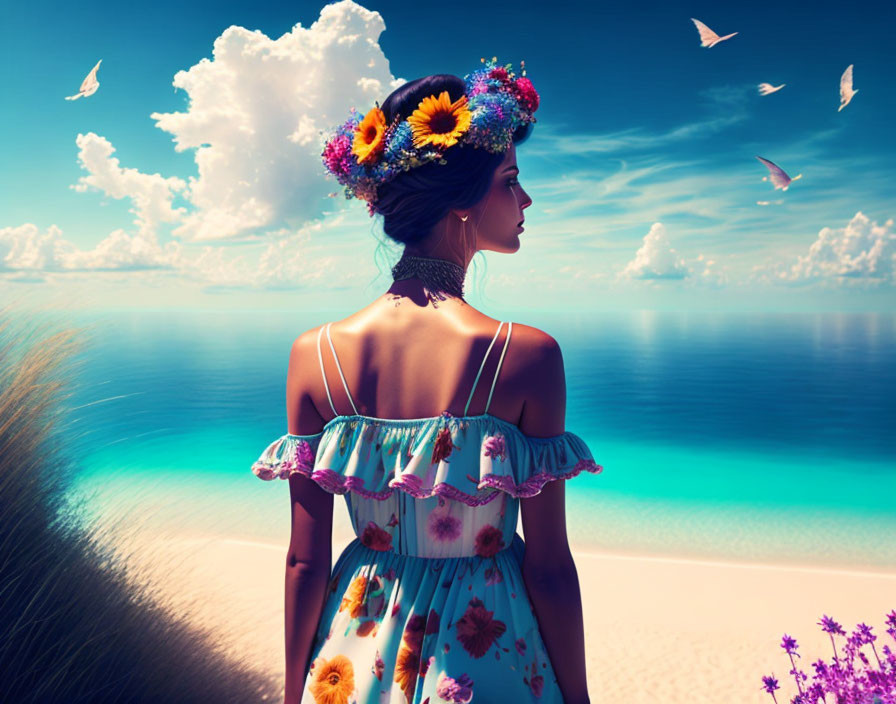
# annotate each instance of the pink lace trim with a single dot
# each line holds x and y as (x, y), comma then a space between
(335, 483)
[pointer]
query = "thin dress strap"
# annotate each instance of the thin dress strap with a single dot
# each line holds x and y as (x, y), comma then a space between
(500, 362)
(338, 367)
(482, 366)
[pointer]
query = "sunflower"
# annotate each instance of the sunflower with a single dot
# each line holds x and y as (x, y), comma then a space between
(334, 680)
(438, 121)
(368, 141)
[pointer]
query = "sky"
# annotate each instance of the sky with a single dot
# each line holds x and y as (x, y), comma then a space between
(192, 177)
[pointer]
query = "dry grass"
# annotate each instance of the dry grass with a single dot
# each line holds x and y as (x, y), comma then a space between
(72, 626)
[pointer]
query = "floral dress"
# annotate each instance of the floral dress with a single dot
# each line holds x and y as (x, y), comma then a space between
(427, 604)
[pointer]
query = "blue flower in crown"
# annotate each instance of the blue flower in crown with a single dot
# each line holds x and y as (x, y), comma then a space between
(365, 152)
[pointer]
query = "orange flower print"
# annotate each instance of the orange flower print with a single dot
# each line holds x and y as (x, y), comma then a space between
(407, 663)
(443, 446)
(354, 597)
(477, 630)
(333, 681)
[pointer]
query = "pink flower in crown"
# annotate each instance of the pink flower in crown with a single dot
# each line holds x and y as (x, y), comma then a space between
(526, 93)
(456, 691)
(304, 457)
(495, 447)
(337, 155)
(500, 73)
(376, 538)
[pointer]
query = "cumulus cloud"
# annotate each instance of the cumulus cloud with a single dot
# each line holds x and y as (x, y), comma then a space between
(862, 250)
(151, 194)
(656, 259)
(26, 248)
(256, 114)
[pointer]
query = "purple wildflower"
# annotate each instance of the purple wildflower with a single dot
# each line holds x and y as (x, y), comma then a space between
(789, 645)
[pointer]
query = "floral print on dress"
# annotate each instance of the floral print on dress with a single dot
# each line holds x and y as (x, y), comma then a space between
(332, 681)
(427, 604)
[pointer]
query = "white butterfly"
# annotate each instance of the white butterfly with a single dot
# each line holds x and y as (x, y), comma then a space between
(846, 91)
(776, 175)
(708, 38)
(88, 85)
(766, 88)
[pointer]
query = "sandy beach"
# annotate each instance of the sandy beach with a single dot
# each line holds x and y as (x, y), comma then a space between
(657, 628)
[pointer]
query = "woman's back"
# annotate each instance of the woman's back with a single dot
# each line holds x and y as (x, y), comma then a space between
(404, 361)
(429, 599)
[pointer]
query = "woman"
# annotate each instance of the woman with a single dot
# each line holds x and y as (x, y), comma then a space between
(437, 599)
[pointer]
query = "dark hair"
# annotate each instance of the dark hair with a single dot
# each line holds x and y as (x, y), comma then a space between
(414, 201)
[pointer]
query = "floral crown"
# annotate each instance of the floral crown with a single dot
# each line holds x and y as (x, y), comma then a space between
(365, 152)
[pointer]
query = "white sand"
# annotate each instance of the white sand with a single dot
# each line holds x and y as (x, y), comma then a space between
(657, 629)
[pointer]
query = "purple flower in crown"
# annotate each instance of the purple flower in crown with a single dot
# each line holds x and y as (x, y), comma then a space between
(495, 447)
(304, 457)
(457, 691)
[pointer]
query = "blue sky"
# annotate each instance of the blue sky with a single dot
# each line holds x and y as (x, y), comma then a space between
(641, 167)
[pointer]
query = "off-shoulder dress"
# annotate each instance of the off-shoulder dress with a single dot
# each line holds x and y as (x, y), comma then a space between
(427, 604)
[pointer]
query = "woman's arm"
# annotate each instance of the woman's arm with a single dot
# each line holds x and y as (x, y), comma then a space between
(309, 558)
(548, 568)
(552, 583)
(307, 575)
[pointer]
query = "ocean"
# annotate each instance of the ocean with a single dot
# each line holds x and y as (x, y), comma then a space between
(730, 437)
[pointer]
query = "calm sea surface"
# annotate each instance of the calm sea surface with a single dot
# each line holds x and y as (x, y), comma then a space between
(730, 436)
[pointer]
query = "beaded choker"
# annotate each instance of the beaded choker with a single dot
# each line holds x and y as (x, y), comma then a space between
(439, 276)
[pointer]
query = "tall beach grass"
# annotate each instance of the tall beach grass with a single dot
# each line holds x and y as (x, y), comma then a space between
(73, 626)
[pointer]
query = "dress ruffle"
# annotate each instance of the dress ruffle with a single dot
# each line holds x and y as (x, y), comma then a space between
(427, 457)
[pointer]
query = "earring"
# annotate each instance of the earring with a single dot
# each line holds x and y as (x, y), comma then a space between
(464, 218)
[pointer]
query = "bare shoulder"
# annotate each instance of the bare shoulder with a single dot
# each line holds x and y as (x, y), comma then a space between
(302, 416)
(541, 373)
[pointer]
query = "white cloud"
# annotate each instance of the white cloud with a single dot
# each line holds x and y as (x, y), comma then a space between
(861, 250)
(656, 259)
(26, 248)
(151, 194)
(255, 116)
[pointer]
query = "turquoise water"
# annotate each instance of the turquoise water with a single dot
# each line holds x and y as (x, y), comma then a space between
(759, 437)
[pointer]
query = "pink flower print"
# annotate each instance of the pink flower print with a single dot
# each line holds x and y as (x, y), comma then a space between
(456, 691)
(536, 684)
(442, 447)
(378, 666)
(495, 447)
(264, 471)
(443, 527)
(520, 644)
(489, 541)
(477, 630)
(493, 576)
(392, 521)
(376, 538)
